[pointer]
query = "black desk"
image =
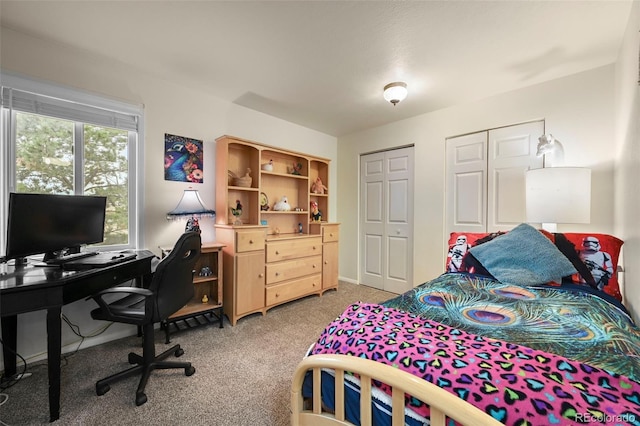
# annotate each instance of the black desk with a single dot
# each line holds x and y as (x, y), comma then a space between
(34, 288)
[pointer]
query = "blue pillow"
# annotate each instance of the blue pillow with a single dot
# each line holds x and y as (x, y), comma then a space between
(523, 256)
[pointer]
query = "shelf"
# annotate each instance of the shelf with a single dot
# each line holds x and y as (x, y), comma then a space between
(318, 195)
(200, 280)
(281, 212)
(194, 308)
(289, 175)
(243, 188)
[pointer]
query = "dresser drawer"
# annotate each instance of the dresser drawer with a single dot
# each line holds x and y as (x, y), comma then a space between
(290, 269)
(249, 240)
(293, 289)
(294, 248)
(330, 233)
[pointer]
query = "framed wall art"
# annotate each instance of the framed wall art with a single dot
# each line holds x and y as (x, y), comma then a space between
(183, 159)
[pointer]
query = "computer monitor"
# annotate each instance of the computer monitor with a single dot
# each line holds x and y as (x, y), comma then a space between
(53, 224)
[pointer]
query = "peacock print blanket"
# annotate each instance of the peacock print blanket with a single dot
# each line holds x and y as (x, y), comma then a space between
(515, 384)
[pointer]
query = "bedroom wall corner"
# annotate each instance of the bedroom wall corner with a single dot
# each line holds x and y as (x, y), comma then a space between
(627, 196)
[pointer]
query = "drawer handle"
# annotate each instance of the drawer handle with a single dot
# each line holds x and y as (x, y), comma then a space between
(260, 275)
(277, 274)
(277, 295)
(326, 262)
(314, 284)
(314, 265)
(250, 241)
(314, 247)
(330, 234)
(277, 252)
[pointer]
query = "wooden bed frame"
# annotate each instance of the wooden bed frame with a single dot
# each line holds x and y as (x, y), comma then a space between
(442, 404)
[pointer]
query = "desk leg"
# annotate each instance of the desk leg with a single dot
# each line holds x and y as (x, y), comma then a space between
(54, 349)
(10, 340)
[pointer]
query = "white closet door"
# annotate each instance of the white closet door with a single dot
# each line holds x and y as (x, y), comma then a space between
(372, 211)
(485, 172)
(512, 151)
(386, 209)
(466, 183)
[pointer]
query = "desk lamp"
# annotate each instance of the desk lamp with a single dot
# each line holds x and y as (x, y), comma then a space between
(558, 195)
(190, 205)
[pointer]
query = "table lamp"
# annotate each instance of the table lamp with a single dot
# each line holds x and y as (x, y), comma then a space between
(558, 195)
(190, 205)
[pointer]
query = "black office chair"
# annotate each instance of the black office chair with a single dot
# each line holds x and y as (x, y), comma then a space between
(170, 289)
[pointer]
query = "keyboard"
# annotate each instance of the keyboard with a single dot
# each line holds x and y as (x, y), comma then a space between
(100, 260)
(70, 257)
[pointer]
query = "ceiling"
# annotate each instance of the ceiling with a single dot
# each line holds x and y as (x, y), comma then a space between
(323, 64)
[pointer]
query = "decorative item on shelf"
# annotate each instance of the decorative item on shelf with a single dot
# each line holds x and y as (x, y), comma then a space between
(244, 181)
(282, 205)
(264, 202)
(276, 231)
(190, 205)
(318, 187)
(267, 167)
(316, 215)
(205, 272)
(205, 299)
(299, 227)
(295, 169)
(237, 212)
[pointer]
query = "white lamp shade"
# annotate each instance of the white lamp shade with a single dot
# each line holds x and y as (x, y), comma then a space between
(558, 195)
(190, 204)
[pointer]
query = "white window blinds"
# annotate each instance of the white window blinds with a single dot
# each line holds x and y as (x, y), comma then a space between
(24, 101)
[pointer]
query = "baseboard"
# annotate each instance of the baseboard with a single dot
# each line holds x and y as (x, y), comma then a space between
(349, 280)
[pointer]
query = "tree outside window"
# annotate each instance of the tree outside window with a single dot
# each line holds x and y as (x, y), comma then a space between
(46, 160)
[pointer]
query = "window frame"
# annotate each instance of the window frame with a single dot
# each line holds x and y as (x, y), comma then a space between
(135, 152)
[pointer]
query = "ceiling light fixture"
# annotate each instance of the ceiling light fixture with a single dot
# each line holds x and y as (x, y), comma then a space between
(395, 92)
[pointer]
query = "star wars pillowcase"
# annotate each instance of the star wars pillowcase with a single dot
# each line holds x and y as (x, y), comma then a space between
(459, 245)
(599, 253)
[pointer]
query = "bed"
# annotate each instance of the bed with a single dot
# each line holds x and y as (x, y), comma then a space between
(520, 330)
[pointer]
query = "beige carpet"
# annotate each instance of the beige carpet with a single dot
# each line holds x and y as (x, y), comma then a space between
(243, 373)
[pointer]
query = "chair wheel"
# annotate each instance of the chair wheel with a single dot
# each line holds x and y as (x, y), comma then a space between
(189, 371)
(102, 389)
(179, 352)
(140, 399)
(132, 358)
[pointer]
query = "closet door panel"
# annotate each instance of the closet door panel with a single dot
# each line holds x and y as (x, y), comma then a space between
(511, 152)
(466, 183)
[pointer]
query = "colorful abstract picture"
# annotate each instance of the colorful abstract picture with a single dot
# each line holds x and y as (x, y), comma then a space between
(182, 159)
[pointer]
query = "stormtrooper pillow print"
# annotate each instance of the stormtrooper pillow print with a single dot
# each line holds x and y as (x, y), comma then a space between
(600, 253)
(459, 245)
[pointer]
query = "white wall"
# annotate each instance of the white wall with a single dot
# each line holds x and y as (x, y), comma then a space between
(169, 108)
(578, 111)
(627, 206)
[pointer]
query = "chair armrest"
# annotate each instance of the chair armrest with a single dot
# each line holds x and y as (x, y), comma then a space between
(124, 290)
(129, 290)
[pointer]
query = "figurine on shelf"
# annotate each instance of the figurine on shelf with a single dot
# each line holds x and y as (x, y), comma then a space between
(267, 167)
(237, 212)
(282, 205)
(318, 187)
(296, 169)
(205, 299)
(316, 215)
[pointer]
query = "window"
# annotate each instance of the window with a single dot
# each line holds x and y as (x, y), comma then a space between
(59, 141)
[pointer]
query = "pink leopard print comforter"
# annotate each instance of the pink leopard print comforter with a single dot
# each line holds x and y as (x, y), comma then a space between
(514, 384)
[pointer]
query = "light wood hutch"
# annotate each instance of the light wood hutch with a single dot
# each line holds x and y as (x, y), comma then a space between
(272, 256)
